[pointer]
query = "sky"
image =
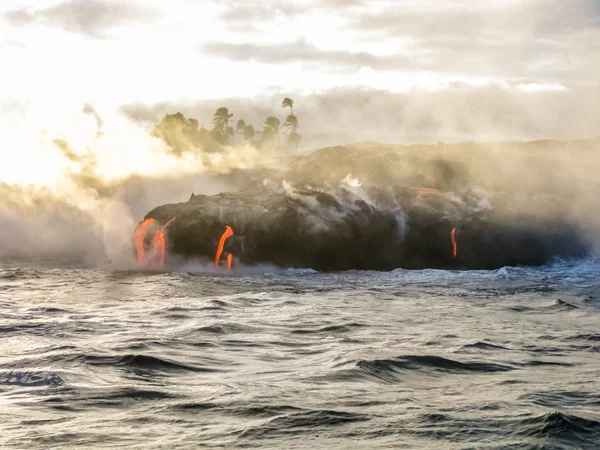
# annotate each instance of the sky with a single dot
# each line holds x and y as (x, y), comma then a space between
(372, 69)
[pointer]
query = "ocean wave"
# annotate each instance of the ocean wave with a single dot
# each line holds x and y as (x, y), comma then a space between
(391, 369)
(549, 430)
(479, 345)
(563, 399)
(330, 329)
(557, 425)
(30, 379)
(302, 421)
(145, 362)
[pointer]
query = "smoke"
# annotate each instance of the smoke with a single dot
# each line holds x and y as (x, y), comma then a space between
(332, 203)
(74, 189)
(36, 223)
(454, 111)
(89, 109)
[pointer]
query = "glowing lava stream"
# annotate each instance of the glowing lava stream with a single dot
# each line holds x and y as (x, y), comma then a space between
(453, 235)
(159, 244)
(139, 234)
(429, 191)
(229, 260)
(226, 235)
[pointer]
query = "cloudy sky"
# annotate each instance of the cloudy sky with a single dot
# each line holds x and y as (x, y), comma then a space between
(377, 68)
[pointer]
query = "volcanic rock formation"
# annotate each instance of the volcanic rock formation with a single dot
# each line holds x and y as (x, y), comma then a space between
(341, 225)
(323, 231)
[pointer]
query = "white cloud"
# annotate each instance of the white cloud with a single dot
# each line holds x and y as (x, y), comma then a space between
(537, 87)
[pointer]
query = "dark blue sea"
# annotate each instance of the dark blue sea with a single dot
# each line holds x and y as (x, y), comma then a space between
(295, 359)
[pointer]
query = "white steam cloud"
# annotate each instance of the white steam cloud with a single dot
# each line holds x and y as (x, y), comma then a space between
(74, 187)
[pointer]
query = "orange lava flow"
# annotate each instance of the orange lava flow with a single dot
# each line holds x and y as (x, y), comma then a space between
(159, 243)
(139, 234)
(453, 235)
(226, 235)
(229, 260)
(429, 191)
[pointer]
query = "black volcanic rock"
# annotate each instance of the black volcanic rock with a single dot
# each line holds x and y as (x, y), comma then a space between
(510, 203)
(369, 229)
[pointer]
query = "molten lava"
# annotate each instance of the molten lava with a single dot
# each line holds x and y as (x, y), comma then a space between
(159, 244)
(229, 260)
(226, 235)
(139, 234)
(453, 235)
(429, 191)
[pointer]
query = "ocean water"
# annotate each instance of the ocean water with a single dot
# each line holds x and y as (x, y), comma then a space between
(265, 358)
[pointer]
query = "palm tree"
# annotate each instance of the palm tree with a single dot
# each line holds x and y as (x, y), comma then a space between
(221, 123)
(240, 126)
(249, 133)
(222, 115)
(294, 139)
(268, 134)
(231, 133)
(218, 133)
(191, 125)
(291, 122)
(273, 123)
(288, 102)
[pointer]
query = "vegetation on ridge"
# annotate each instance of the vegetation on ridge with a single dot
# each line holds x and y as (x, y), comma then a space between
(183, 135)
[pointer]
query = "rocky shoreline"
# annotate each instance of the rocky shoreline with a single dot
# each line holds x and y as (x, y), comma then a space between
(371, 230)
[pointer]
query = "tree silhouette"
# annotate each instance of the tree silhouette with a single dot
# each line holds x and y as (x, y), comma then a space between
(291, 122)
(268, 134)
(249, 133)
(240, 126)
(222, 116)
(218, 133)
(191, 125)
(231, 133)
(294, 139)
(273, 123)
(183, 135)
(288, 103)
(221, 125)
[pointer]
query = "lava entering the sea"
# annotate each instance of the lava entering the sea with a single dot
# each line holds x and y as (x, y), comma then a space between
(229, 260)
(226, 235)
(139, 234)
(453, 235)
(159, 244)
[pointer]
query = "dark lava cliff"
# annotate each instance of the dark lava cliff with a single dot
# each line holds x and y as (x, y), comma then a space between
(313, 215)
